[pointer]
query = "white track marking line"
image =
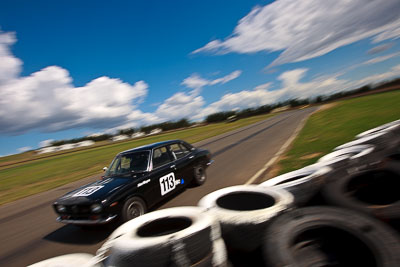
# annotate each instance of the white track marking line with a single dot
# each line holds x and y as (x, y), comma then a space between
(279, 153)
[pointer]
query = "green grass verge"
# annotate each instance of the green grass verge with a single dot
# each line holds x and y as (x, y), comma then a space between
(329, 128)
(28, 178)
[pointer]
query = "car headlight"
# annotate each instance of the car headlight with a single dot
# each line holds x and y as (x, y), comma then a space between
(61, 208)
(96, 208)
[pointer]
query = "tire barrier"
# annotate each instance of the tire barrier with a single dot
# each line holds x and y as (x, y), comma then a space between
(303, 183)
(383, 140)
(373, 191)
(354, 155)
(244, 211)
(391, 126)
(327, 236)
(259, 225)
(69, 260)
(184, 236)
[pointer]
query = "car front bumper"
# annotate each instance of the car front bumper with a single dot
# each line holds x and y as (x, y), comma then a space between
(67, 220)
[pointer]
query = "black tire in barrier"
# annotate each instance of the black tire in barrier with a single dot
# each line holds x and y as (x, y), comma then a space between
(303, 183)
(328, 236)
(383, 140)
(373, 191)
(391, 126)
(346, 157)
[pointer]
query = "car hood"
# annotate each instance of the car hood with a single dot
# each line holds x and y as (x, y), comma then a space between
(96, 191)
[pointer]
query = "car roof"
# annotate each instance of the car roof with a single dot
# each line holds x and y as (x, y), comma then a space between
(151, 146)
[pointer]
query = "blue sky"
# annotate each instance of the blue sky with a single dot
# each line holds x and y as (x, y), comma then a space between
(72, 68)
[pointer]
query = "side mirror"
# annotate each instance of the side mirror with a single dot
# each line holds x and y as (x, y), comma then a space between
(105, 169)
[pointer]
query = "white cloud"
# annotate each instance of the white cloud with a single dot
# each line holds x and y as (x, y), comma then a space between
(48, 101)
(380, 48)
(380, 59)
(377, 78)
(180, 105)
(23, 149)
(292, 87)
(45, 143)
(227, 78)
(307, 29)
(10, 66)
(194, 81)
(263, 86)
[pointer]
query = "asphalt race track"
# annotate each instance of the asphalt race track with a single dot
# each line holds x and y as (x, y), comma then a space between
(29, 232)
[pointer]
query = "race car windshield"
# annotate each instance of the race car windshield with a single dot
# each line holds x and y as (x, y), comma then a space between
(128, 163)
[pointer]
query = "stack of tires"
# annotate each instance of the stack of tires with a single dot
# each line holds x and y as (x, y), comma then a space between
(343, 210)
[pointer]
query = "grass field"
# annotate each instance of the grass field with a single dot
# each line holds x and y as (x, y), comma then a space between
(329, 128)
(40, 174)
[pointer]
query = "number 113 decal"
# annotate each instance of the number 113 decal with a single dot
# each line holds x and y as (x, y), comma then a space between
(167, 183)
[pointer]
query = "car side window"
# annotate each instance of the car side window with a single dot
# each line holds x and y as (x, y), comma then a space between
(125, 162)
(160, 157)
(179, 151)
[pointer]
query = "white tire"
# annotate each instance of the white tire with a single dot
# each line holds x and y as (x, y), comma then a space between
(354, 155)
(382, 140)
(69, 260)
(244, 211)
(303, 183)
(391, 126)
(148, 240)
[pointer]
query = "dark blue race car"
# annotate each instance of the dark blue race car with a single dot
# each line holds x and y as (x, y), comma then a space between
(136, 180)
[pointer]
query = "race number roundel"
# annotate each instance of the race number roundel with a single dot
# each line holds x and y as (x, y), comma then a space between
(167, 183)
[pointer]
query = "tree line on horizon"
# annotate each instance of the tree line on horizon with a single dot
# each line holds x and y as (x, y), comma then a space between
(244, 113)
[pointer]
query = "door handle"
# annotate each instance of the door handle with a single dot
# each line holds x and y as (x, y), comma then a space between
(191, 157)
(172, 166)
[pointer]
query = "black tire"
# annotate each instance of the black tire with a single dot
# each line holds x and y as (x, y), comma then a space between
(327, 236)
(216, 258)
(350, 156)
(169, 237)
(303, 183)
(383, 141)
(244, 211)
(132, 208)
(373, 191)
(199, 174)
(391, 126)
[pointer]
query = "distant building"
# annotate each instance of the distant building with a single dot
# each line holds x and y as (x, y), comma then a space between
(280, 109)
(138, 134)
(155, 131)
(85, 143)
(119, 138)
(48, 149)
(66, 146)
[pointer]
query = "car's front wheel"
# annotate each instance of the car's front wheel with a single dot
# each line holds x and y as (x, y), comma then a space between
(199, 173)
(133, 207)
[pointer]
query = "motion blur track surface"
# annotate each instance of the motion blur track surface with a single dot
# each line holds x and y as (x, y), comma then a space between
(29, 232)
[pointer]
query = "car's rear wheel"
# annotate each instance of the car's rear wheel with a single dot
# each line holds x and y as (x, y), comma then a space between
(133, 207)
(199, 173)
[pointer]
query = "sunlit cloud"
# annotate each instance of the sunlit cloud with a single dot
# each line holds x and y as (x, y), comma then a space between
(307, 29)
(24, 149)
(380, 48)
(47, 100)
(195, 81)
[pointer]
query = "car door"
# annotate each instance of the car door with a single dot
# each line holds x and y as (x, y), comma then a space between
(162, 175)
(183, 160)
